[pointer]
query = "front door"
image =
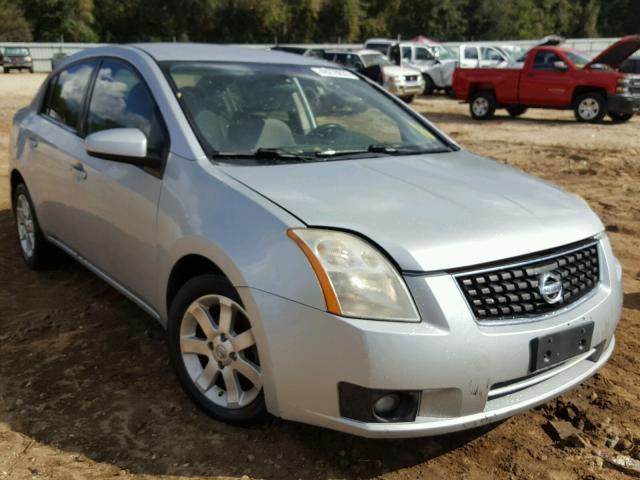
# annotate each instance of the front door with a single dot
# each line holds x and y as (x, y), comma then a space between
(118, 202)
(543, 84)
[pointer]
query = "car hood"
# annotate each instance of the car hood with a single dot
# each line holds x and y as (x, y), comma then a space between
(429, 212)
(392, 70)
(618, 52)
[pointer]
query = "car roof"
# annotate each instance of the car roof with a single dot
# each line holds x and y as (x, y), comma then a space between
(204, 52)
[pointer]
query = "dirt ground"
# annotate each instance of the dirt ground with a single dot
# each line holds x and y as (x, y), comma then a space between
(86, 390)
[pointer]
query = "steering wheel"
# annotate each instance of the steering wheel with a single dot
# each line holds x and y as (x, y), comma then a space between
(327, 131)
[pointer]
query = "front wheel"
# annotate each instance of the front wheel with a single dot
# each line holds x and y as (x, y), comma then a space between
(6, 70)
(590, 107)
(213, 350)
(618, 117)
(429, 86)
(408, 99)
(483, 105)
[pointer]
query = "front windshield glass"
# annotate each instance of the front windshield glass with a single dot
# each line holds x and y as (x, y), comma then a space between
(371, 59)
(242, 109)
(16, 52)
(577, 58)
(443, 53)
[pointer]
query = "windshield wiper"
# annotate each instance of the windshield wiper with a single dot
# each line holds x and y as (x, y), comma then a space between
(403, 150)
(266, 154)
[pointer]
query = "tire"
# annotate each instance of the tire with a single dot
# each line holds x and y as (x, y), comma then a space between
(6, 70)
(408, 99)
(36, 251)
(226, 352)
(516, 110)
(429, 86)
(31, 70)
(590, 107)
(483, 105)
(618, 117)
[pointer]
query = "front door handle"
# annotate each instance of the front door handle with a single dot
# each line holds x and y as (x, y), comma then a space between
(33, 141)
(79, 171)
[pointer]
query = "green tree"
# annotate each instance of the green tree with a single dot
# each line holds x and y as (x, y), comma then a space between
(55, 20)
(13, 25)
(339, 20)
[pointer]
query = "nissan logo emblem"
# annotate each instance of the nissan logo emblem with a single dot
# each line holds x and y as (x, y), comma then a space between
(550, 287)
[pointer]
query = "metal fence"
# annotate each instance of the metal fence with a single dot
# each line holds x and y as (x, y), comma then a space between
(43, 52)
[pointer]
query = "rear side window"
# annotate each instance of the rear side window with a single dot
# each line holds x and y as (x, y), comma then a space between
(471, 53)
(121, 99)
(66, 94)
(423, 54)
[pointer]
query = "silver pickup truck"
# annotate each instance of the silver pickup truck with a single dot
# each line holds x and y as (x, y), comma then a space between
(435, 61)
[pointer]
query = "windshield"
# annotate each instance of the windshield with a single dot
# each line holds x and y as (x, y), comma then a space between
(577, 58)
(241, 109)
(443, 53)
(16, 52)
(371, 59)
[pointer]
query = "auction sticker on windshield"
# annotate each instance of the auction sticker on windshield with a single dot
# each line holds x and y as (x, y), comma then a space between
(333, 73)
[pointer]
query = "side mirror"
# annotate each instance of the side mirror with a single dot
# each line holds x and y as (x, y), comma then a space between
(560, 65)
(125, 145)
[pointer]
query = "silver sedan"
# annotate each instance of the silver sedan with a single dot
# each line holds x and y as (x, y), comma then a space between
(315, 248)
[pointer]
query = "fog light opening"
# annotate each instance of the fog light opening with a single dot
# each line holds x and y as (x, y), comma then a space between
(395, 407)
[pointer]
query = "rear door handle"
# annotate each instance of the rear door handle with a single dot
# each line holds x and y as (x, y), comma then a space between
(33, 141)
(79, 171)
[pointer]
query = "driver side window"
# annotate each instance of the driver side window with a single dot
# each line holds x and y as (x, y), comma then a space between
(423, 54)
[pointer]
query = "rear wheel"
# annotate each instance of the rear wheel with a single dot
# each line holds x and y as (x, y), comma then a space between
(36, 251)
(618, 117)
(516, 110)
(590, 107)
(213, 350)
(483, 105)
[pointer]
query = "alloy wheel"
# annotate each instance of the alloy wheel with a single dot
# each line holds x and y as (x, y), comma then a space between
(26, 227)
(480, 106)
(219, 351)
(589, 108)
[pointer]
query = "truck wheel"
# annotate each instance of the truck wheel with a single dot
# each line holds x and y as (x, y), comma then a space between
(516, 110)
(6, 70)
(590, 107)
(483, 105)
(618, 117)
(428, 85)
(408, 99)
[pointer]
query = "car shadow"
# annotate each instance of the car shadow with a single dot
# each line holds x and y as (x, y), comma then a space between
(444, 117)
(82, 369)
(632, 300)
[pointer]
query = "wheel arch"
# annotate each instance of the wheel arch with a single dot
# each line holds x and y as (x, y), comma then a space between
(581, 90)
(187, 267)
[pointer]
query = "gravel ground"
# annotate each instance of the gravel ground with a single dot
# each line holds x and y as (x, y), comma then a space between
(86, 390)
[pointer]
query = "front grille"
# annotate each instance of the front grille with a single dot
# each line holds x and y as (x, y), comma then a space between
(512, 290)
(411, 78)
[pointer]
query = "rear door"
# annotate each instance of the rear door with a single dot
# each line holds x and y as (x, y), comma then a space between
(117, 204)
(53, 149)
(541, 84)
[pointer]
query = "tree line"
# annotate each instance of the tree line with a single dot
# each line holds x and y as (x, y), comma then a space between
(311, 21)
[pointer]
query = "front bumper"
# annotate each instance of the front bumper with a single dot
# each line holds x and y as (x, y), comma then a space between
(468, 374)
(624, 103)
(404, 90)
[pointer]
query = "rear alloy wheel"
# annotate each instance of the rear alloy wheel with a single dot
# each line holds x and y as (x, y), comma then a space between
(590, 107)
(214, 351)
(483, 105)
(36, 251)
(516, 110)
(618, 117)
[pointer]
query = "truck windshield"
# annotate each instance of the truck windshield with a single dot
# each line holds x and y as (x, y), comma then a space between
(16, 52)
(371, 59)
(245, 108)
(443, 53)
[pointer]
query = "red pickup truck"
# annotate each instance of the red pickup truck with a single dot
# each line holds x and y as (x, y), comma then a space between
(555, 77)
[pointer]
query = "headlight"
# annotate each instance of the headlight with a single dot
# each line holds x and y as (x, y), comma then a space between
(623, 85)
(356, 279)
